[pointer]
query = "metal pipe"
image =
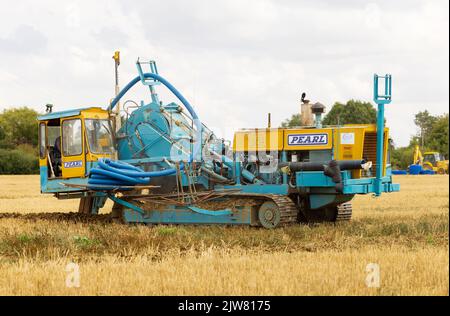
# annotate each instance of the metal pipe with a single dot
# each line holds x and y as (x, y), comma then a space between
(381, 100)
(320, 166)
(214, 175)
(318, 120)
(380, 146)
(231, 164)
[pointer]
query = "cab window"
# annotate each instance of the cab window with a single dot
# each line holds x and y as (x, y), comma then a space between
(71, 138)
(430, 158)
(42, 145)
(99, 136)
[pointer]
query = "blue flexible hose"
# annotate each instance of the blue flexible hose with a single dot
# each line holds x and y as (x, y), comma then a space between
(110, 175)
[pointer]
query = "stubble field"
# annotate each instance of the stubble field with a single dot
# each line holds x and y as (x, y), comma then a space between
(405, 234)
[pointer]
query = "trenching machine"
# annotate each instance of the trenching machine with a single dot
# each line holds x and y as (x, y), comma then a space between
(161, 164)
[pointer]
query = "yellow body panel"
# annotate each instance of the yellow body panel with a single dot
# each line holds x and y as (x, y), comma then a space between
(270, 139)
(258, 140)
(95, 113)
(348, 142)
(73, 166)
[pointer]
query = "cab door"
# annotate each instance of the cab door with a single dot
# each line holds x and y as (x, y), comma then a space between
(72, 148)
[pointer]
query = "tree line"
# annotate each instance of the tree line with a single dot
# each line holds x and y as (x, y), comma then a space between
(18, 141)
(19, 134)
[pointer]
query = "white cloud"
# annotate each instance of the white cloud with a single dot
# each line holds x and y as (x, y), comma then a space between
(235, 60)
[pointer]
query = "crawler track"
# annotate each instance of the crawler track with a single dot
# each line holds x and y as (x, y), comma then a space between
(288, 209)
(344, 212)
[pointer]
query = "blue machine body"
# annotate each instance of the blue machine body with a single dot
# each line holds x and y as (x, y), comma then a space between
(169, 142)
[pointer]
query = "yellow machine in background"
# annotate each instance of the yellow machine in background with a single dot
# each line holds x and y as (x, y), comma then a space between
(430, 160)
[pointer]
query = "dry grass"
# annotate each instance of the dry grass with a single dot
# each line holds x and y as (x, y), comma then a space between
(406, 233)
(21, 193)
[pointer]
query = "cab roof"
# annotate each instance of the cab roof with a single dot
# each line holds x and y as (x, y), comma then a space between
(67, 113)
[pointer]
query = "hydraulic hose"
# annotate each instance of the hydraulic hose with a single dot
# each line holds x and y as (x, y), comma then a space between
(109, 175)
(181, 98)
(319, 166)
(164, 82)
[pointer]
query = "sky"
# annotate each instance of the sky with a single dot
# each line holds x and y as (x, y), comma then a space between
(234, 60)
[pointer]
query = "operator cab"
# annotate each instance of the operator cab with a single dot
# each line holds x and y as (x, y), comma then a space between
(433, 157)
(70, 143)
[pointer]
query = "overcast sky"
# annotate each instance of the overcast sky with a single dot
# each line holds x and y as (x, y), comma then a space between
(234, 60)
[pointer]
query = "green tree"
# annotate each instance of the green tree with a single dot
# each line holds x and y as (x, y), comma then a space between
(352, 112)
(425, 122)
(293, 121)
(18, 126)
(438, 135)
(402, 157)
(18, 162)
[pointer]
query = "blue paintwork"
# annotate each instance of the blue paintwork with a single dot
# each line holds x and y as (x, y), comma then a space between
(316, 179)
(306, 179)
(381, 100)
(211, 213)
(99, 202)
(258, 188)
(150, 82)
(126, 204)
(55, 185)
(317, 201)
(183, 215)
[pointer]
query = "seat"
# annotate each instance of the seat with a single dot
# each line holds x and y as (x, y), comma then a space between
(56, 157)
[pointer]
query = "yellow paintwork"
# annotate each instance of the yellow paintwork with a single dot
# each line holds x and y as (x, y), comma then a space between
(95, 113)
(255, 139)
(73, 172)
(347, 142)
(349, 150)
(346, 151)
(86, 156)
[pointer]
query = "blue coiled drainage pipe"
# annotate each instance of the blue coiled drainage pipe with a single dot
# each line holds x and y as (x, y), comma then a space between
(109, 175)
